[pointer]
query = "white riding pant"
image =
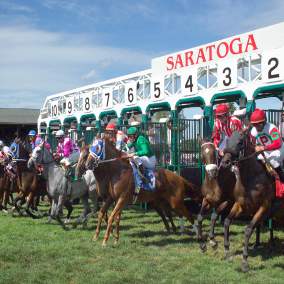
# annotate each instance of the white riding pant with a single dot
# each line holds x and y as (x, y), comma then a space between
(274, 157)
(72, 159)
(147, 162)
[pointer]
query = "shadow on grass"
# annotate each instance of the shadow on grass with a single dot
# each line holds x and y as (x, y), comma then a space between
(169, 241)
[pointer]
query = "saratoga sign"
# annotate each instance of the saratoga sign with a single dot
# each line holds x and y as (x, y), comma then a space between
(211, 52)
(258, 41)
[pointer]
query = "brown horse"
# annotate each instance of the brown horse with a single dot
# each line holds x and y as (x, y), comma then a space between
(162, 208)
(217, 191)
(28, 183)
(253, 190)
(114, 177)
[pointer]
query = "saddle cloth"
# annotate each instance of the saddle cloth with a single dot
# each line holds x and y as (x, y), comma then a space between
(149, 175)
(279, 188)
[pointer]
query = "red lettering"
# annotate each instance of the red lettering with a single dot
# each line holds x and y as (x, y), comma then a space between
(251, 42)
(209, 50)
(236, 48)
(200, 55)
(225, 49)
(188, 58)
(178, 62)
(170, 63)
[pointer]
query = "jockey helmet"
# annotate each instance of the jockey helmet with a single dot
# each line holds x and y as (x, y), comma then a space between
(132, 130)
(1, 143)
(221, 109)
(32, 133)
(111, 127)
(59, 133)
(257, 116)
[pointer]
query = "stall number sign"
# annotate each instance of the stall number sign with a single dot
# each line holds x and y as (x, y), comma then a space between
(227, 74)
(107, 98)
(130, 93)
(54, 109)
(69, 106)
(87, 103)
(272, 66)
(157, 88)
(189, 81)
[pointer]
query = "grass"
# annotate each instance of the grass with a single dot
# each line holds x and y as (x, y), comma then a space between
(32, 251)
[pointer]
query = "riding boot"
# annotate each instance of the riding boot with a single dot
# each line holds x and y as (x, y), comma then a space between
(142, 173)
(280, 173)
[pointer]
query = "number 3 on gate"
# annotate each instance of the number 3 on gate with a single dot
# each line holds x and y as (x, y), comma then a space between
(227, 74)
(272, 66)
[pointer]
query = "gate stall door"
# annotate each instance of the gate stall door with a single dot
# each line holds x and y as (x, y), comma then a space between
(160, 139)
(189, 134)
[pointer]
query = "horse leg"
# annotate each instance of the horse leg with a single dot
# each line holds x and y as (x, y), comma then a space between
(257, 237)
(101, 214)
(204, 207)
(214, 217)
(235, 212)
(248, 232)
(86, 211)
(94, 198)
(162, 215)
(69, 207)
(117, 210)
(117, 221)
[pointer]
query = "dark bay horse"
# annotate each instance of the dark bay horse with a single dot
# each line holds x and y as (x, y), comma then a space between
(29, 185)
(114, 176)
(162, 208)
(253, 190)
(217, 191)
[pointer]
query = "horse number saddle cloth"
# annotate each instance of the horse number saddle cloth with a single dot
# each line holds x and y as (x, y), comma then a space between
(279, 186)
(140, 182)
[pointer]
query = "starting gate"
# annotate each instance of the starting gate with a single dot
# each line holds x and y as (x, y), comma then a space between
(243, 68)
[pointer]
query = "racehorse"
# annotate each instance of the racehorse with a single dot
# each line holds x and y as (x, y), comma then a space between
(56, 181)
(26, 182)
(253, 190)
(217, 191)
(114, 178)
(162, 208)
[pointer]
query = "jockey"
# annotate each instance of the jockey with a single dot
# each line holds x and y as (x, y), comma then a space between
(267, 138)
(35, 140)
(143, 155)
(224, 126)
(66, 149)
(116, 136)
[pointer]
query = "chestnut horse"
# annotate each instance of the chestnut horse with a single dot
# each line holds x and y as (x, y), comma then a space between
(114, 176)
(253, 190)
(217, 191)
(162, 208)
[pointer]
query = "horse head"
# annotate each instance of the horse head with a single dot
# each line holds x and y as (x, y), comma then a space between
(234, 148)
(209, 158)
(40, 155)
(81, 164)
(102, 149)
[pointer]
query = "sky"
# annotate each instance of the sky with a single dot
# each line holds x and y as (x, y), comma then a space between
(49, 46)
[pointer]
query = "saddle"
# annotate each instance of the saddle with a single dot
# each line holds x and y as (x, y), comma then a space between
(145, 180)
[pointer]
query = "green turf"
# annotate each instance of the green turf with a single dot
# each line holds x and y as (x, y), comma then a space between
(32, 251)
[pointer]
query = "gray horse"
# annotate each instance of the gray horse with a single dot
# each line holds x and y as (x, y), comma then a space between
(56, 185)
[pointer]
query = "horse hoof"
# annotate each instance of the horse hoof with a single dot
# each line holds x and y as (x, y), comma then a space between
(95, 238)
(228, 256)
(104, 244)
(203, 247)
(67, 221)
(115, 243)
(213, 244)
(245, 266)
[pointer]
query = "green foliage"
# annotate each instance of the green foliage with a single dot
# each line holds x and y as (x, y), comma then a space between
(32, 251)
